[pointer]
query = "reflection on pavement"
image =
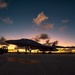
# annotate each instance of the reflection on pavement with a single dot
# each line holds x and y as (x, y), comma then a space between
(22, 61)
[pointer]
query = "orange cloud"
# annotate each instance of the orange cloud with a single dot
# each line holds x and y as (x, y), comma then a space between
(48, 26)
(65, 21)
(63, 28)
(7, 20)
(3, 4)
(40, 18)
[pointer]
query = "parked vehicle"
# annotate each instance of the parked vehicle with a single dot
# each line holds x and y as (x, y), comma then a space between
(3, 50)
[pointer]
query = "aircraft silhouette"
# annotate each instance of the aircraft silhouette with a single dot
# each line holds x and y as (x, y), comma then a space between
(31, 45)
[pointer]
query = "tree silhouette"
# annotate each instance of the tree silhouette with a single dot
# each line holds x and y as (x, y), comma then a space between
(55, 43)
(47, 42)
(2, 40)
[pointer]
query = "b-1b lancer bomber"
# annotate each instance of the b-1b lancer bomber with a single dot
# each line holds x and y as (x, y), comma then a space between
(31, 45)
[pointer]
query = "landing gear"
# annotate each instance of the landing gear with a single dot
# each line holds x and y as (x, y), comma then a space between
(30, 51)
(27, 48)
(25, 51)
(18, 52)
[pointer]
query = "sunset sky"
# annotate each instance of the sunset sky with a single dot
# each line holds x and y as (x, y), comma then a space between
(29, 18)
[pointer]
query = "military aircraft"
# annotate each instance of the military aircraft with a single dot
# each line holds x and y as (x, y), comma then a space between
(31, 45)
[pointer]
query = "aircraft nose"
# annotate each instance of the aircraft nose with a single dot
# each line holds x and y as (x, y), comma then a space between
(7, 41)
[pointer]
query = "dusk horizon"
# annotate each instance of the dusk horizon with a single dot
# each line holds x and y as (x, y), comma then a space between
(30, 19)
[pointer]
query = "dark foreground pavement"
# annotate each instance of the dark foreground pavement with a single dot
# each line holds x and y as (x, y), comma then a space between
(37, 64)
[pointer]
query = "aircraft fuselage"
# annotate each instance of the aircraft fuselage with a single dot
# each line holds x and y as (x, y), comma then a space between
(30, 44)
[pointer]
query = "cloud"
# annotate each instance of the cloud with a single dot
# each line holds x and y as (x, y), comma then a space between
(48, 26)
(42, 36)
(6, 20)
(3, 4)
(40, 18)
(65, 21)
(63, 28)
(36, 38)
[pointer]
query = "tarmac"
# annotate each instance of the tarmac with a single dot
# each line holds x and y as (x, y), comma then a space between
(37, 64)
